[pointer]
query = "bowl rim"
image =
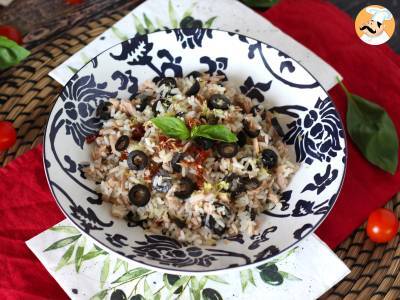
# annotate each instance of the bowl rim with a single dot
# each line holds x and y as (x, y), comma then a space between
(196, 272)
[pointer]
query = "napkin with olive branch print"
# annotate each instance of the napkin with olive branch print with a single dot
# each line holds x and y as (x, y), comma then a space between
(230, 15)
(86, 271)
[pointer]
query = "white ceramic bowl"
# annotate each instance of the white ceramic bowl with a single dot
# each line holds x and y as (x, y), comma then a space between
(309, 124)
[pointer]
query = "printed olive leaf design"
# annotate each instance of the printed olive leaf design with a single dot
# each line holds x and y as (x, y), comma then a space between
(260, 3)
(105, 270)
(211, 294)
(132, 275)
(79, 254)
(246, 276)
(65, 229)
(270, 274)
(120, 263)
(146, 25)
(63, 242)
(75, 253)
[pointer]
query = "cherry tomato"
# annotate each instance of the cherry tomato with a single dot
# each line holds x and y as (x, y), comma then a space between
(74, 1)
(382, 225)
(11, 33)
(8, 135)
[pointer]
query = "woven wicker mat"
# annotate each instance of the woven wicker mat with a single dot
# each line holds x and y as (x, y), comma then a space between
(27, 95)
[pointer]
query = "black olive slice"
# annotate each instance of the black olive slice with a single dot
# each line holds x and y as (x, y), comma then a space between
(104, 110)
(144, 101)
(252, 133)
(139, 195)
(175, 161)
(122, 143)
(269, 158)
(137, 160)
(203, 143)
(250, 183)
(185, 188)
(242, 138)
(235, 184)
(194, 89)
(215, 227)
(218, 101)
(227, 150)
(180, 114)
(180, 223)
(253, 212)
(168, 81)
(165, 104)
(194, 74)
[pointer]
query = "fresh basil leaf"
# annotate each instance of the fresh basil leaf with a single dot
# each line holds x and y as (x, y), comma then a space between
(260, 3)
(214, 132)
(372, 130)
(11, 53)
(172, 127)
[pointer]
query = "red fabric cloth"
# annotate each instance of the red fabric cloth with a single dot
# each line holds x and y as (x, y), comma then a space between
(27, 207)
(372, 72)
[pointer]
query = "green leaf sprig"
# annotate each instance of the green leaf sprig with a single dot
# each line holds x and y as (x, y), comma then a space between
(260, 3)
(373, 131)
(176, 128)
(11, 53)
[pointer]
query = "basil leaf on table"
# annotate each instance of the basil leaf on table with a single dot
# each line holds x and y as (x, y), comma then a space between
(11, 53)
(172, 127)
(260, 3)
(214, 132)
(372, 130)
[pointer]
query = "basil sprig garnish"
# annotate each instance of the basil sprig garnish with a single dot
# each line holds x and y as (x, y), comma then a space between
(11, 53)
(172, 127)
(176, 128)
(373, 131)
(214, 132)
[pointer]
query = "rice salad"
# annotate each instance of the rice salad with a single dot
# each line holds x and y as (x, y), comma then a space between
(192, 158)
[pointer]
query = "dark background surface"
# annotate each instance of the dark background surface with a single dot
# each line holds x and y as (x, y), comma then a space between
(41, 20)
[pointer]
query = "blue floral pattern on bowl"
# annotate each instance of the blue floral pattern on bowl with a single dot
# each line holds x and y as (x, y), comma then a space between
(303, 114)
